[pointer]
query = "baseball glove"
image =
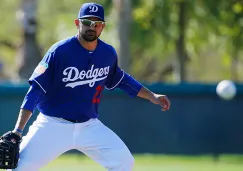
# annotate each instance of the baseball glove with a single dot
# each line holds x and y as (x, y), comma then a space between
(9, 150)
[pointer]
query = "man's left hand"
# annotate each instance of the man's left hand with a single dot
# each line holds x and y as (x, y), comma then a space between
(161, 100)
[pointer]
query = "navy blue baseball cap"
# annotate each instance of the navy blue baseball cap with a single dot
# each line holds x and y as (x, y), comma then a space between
(91, 10)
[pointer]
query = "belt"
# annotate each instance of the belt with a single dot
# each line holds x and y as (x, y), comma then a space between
(77, 121)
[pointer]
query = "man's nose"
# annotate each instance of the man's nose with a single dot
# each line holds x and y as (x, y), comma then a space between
(92, 26)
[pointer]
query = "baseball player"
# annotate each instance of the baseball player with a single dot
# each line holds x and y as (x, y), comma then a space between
(66, 88)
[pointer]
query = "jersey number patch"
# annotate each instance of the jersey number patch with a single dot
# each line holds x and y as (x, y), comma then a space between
(97, 96)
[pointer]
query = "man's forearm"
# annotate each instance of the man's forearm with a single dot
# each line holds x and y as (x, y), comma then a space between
(145, 93)
(27, 107)
(24, 116)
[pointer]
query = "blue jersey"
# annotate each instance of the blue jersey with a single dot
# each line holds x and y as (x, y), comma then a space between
(72, 79)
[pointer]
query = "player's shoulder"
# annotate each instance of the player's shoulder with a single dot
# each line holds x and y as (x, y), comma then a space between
(108, 47)
(63, 44)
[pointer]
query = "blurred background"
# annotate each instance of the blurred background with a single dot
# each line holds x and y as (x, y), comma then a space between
(181, 48)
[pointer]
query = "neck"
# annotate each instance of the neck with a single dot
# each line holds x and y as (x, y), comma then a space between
(87, 45)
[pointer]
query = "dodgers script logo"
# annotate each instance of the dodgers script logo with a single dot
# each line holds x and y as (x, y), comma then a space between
(93, 8)
(76, 77)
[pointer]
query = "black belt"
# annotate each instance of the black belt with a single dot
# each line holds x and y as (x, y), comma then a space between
(77, 121)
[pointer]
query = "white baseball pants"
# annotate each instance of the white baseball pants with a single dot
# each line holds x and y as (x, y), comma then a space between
(48, 138)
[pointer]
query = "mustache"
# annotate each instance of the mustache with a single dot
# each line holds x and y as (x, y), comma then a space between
(90, 31)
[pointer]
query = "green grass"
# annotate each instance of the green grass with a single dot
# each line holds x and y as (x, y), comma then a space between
(151, 163)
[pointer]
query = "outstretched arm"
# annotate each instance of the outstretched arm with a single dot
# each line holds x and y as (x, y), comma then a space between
(158, 99)
(124, 81)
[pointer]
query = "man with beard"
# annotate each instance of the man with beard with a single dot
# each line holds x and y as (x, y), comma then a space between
(66, 88)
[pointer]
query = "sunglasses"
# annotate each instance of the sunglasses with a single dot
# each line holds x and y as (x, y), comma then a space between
(90, 23)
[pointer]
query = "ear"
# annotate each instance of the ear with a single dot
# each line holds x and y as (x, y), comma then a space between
(76, 22)
(103, 26)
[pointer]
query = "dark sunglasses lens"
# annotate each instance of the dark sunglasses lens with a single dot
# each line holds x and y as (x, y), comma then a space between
(86, 22)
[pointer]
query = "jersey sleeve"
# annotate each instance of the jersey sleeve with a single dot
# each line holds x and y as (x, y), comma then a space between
(30, 99)
(120, 79)
(114, 78)
(115, 73)
(43, 73)
(117, 78)
(129, 85)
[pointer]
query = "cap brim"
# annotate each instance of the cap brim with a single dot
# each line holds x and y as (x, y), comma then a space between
(87, 16)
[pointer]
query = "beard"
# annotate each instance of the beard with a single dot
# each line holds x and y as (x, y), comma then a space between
(89, 35)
